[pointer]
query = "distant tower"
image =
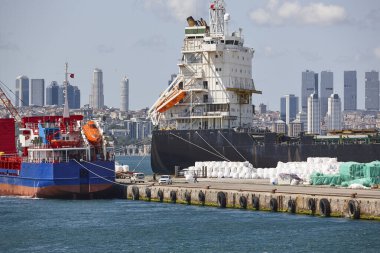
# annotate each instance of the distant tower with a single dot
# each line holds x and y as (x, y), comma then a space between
(124, 95)
(302, 118)
(313, 114)
(37, 92)
(327, 88)
(350, 91)
(22, 91)
(309, 86)
(372, 91)
(52, 93)
(334, 113)
(97, 95)
(76, 99)
(289, 108)
(61, 95)
(262, 108)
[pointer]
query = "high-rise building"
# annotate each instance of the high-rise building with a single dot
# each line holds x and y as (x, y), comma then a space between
(76, 99)
(289, 108)
(262, 108)
(37, 92)
(372, 91)
(313, 114)
(334, 113)
(73, 96)
(350, 91)
(309, 86)
(22, 91)
(52, 93)
(327, 88)
(124, 95)
(302, 118)
(97, 95)
(61, 95)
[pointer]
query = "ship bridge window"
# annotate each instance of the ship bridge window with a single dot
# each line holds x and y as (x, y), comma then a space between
(193, 58)
(217, 107)
(236, 42)
(222, 41)
(205, 84)
(229, 42)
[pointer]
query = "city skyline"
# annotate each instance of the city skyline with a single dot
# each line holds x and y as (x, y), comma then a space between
(340, 36)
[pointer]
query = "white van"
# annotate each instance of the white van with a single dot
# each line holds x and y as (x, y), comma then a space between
(137, 177)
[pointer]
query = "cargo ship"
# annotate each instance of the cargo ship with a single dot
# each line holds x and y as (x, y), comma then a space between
(206, 113)
(55, 156)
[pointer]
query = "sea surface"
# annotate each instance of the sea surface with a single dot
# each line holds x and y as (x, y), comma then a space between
(41, 225)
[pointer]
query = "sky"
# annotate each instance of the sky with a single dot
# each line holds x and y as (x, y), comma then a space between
(142, 39)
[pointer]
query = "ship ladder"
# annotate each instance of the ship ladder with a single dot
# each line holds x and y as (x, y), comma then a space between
(179, 137)
(232, 146)
(225, 158)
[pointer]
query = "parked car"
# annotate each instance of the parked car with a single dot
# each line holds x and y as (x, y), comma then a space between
(138, 177)
(165, 179)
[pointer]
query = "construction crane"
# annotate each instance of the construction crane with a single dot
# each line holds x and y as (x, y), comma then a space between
(8, 105)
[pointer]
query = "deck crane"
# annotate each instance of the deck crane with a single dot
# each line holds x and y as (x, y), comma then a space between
(9, 106)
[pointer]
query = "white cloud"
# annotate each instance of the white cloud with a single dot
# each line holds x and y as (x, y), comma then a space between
(178, 9)
(314, 13)
(261, 16)
(377, 52)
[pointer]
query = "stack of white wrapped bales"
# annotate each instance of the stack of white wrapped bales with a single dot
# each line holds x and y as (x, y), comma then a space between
(245, 170)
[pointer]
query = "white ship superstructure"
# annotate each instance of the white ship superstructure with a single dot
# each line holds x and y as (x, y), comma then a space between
(214, 86)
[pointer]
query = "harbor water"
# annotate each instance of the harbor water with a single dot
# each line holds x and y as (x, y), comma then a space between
(39, 225)
(119, 225)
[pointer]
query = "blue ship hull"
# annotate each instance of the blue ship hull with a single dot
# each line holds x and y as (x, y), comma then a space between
(55, 180)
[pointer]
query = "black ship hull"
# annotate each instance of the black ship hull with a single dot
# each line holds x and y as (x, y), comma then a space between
(185, 147)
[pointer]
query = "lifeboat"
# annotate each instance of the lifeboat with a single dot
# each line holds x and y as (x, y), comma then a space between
(92, 133)
(171, 101)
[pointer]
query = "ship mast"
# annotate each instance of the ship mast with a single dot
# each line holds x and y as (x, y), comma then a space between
(66, 113)
(217, 11)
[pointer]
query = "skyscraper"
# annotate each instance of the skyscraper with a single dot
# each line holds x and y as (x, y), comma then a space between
(350, 91)
(37, 92)
(372, 91)
(262, 108)
(313, 114)
(52, 93)
(334, 113)
(72, 91)
(97, 95)
(309, 86)
(327, 88)
(22, 91)
(289, 108)
(76, 97)
(124, 95)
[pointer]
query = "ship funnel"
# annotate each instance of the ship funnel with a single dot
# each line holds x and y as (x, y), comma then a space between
(191, 21)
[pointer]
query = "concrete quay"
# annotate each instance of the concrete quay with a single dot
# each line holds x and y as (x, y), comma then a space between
(259, 195)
